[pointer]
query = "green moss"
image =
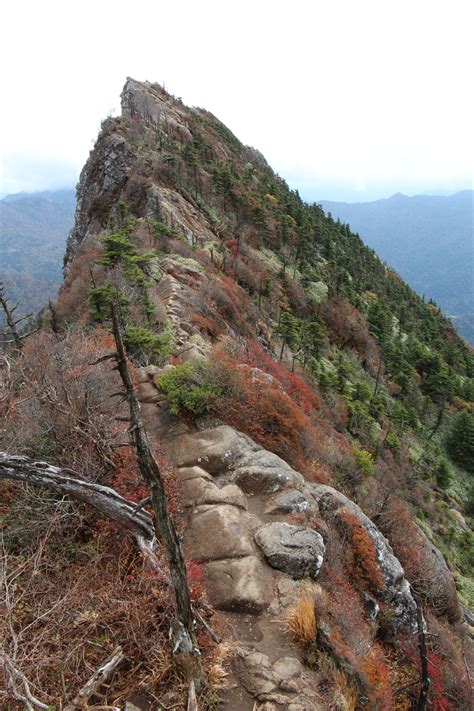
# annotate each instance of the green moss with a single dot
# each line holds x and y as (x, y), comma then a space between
(186, 261)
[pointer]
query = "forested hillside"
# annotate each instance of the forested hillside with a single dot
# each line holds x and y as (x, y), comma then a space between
(309, 416)
(33, 233)
(428, 240)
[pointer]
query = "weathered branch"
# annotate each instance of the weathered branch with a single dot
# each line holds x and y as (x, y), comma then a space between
(192, 700)
(10, 320)
(98, 679)
(65, 481)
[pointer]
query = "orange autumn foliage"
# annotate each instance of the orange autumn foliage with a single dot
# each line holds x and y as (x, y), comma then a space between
(376, 674)
(362, 555)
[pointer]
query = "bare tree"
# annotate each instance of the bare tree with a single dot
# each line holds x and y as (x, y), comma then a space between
(182, 631)
(12, 323)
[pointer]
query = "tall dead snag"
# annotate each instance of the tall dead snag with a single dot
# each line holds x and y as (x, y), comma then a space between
(182, 629)
(425, 679)
(11, 321)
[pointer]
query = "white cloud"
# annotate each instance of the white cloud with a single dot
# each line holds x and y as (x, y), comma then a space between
(355, 94)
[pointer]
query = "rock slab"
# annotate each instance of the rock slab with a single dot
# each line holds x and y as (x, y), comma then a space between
(239, 585)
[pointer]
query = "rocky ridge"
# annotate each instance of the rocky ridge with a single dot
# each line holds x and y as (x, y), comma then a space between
(261, 532)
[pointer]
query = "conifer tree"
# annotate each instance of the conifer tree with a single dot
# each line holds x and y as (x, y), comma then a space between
(460, 442)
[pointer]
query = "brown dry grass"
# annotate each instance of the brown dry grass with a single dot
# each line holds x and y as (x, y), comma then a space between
(301, 618)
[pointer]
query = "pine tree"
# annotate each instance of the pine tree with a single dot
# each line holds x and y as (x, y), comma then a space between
(287, 329)
(460, 442)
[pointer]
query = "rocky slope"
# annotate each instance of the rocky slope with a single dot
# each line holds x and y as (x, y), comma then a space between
(301, 394)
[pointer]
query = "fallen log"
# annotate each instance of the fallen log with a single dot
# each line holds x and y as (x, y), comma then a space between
(107, 501)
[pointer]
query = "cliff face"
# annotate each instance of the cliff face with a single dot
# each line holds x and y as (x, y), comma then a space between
(306, 414)
(119, 168)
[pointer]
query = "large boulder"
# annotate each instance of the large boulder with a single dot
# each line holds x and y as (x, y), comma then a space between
(217, 449)
(291, 501)
(198, 490)
(263, 472)
(295, 550)
(283, 682)
(146, 392)
(227, 453)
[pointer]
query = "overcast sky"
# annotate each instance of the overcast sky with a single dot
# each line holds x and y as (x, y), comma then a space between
(352, 99)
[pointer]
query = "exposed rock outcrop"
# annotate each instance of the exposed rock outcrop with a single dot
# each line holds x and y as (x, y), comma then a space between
(332, 505)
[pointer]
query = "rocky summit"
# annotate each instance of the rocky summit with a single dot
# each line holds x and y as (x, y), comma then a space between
(244, 474)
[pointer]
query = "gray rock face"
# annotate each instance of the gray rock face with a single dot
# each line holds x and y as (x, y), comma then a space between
(263, 472)
(282, 682)
(146, 392)
(239, 585)
(147, 101)
(291, 502)
(217, 450)
(191, 353)
(295, 550)
(199, 491)
(236, 458)
(217, 532)
(102, 178)
(189, 473)
(331, 505)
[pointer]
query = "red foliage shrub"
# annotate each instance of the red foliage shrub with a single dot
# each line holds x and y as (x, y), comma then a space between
(362, 555)
(210, 323)
(377, 678)
(348, 329)
(126, 478)
(428, 577)
(72, 303)
(266, 413)
(195, 579)
(292, 383)
(437, 689)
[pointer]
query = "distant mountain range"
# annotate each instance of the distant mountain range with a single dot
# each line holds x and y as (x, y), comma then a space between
(428, 240)
(33, 233)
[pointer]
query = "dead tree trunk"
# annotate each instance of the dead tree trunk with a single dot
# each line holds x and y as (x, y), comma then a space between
(425, 679)
(184, 639)
(124, 513)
